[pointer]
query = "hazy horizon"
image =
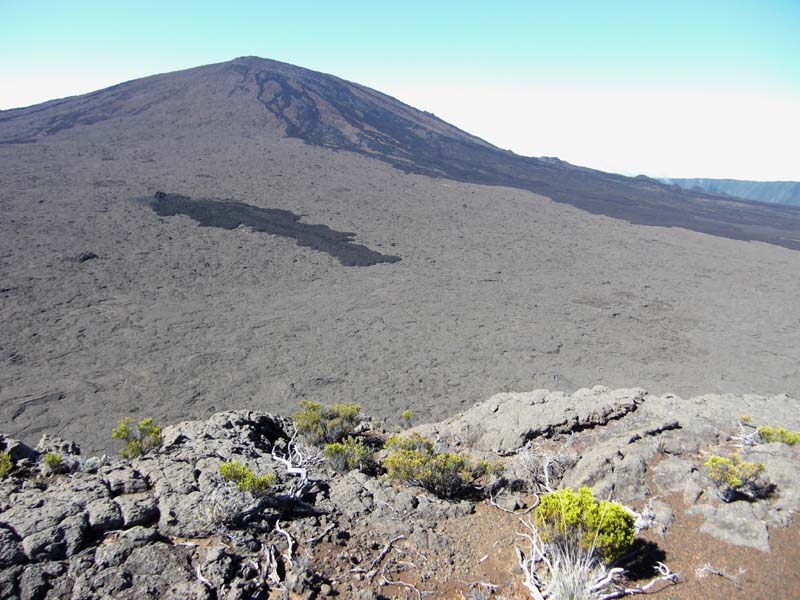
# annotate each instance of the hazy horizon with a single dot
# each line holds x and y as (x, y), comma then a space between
(683, 91)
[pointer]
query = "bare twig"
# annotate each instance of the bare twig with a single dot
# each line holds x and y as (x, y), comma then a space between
(708, 569)
(471, 584)
(386, 581)
(313, 540)
(289, 542)
(384, 552)
(297, 460)
(745, 437)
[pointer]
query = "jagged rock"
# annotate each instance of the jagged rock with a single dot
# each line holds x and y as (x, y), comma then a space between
(48, 527)
(116, 551)
(153, 570)
(8, 582)
(219, 567)
(53, 443)
(35, 581)
(123, 479)
(781, 470)
(60, 525)
(16, 449)
(104, 515)
(58, 542)
(137, 509)
(617, 466)
(506, 421)
(349, 494)
(11, 552)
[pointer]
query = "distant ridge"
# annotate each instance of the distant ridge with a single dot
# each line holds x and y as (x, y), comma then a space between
(774, 192)
(253, 96)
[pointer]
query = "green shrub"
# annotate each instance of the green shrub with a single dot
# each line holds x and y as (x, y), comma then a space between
(779, 434)
(737, 478)
(145, 438)
(407, 415)
(605, 528)
(244, 478)
(52, 461)
(6, 464)
(326, 424)
(412, 460)
(348, 454)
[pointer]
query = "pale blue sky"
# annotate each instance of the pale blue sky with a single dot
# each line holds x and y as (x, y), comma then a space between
(541, 78)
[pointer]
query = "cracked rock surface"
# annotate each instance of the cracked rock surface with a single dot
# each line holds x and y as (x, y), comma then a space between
(167, 525)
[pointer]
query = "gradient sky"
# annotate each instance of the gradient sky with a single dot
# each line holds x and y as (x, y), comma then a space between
(675, 88)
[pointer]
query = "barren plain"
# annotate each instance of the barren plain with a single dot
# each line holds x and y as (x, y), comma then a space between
(497, 288)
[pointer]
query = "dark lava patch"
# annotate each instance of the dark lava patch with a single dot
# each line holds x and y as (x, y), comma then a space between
(230, 215)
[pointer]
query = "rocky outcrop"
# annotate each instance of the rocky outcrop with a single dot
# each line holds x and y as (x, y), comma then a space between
(505, 422)
(167, 525)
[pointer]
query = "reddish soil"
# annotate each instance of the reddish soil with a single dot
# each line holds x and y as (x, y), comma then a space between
(482, 557)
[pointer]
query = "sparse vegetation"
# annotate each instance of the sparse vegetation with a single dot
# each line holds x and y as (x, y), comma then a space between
(605, 528)
(412, 460)
(407, 415)
(53, 462)
(145, 438)
(245, 479)
(779, 434)
(349, 454)
(573, 540)
(6, 464)
(326, 424)
(736, 477)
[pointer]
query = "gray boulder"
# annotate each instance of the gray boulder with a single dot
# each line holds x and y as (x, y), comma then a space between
(505, 422)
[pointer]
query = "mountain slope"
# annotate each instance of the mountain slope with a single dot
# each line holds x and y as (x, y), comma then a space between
(110, 306)
(252, 95)
(774, 192)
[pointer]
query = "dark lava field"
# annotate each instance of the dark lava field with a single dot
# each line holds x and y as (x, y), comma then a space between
(268, 270)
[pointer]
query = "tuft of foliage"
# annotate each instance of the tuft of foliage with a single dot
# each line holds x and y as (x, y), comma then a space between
(412, 460)
(779, 434)
(605, 529)
(245, 479)
(145, 438)
(326, 424)
(6, 464)
(737, 477)
(407, 415)
(53, 462)
(349, 454)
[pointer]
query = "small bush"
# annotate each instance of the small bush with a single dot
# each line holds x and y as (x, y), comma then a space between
(326, 424)
(604, 528)
(6, 464)
(347, 455)
(412, 460)
(52, 462)
(407, 415)
(144, 439)
(245, 479)
(778, 434)
(737, 478)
